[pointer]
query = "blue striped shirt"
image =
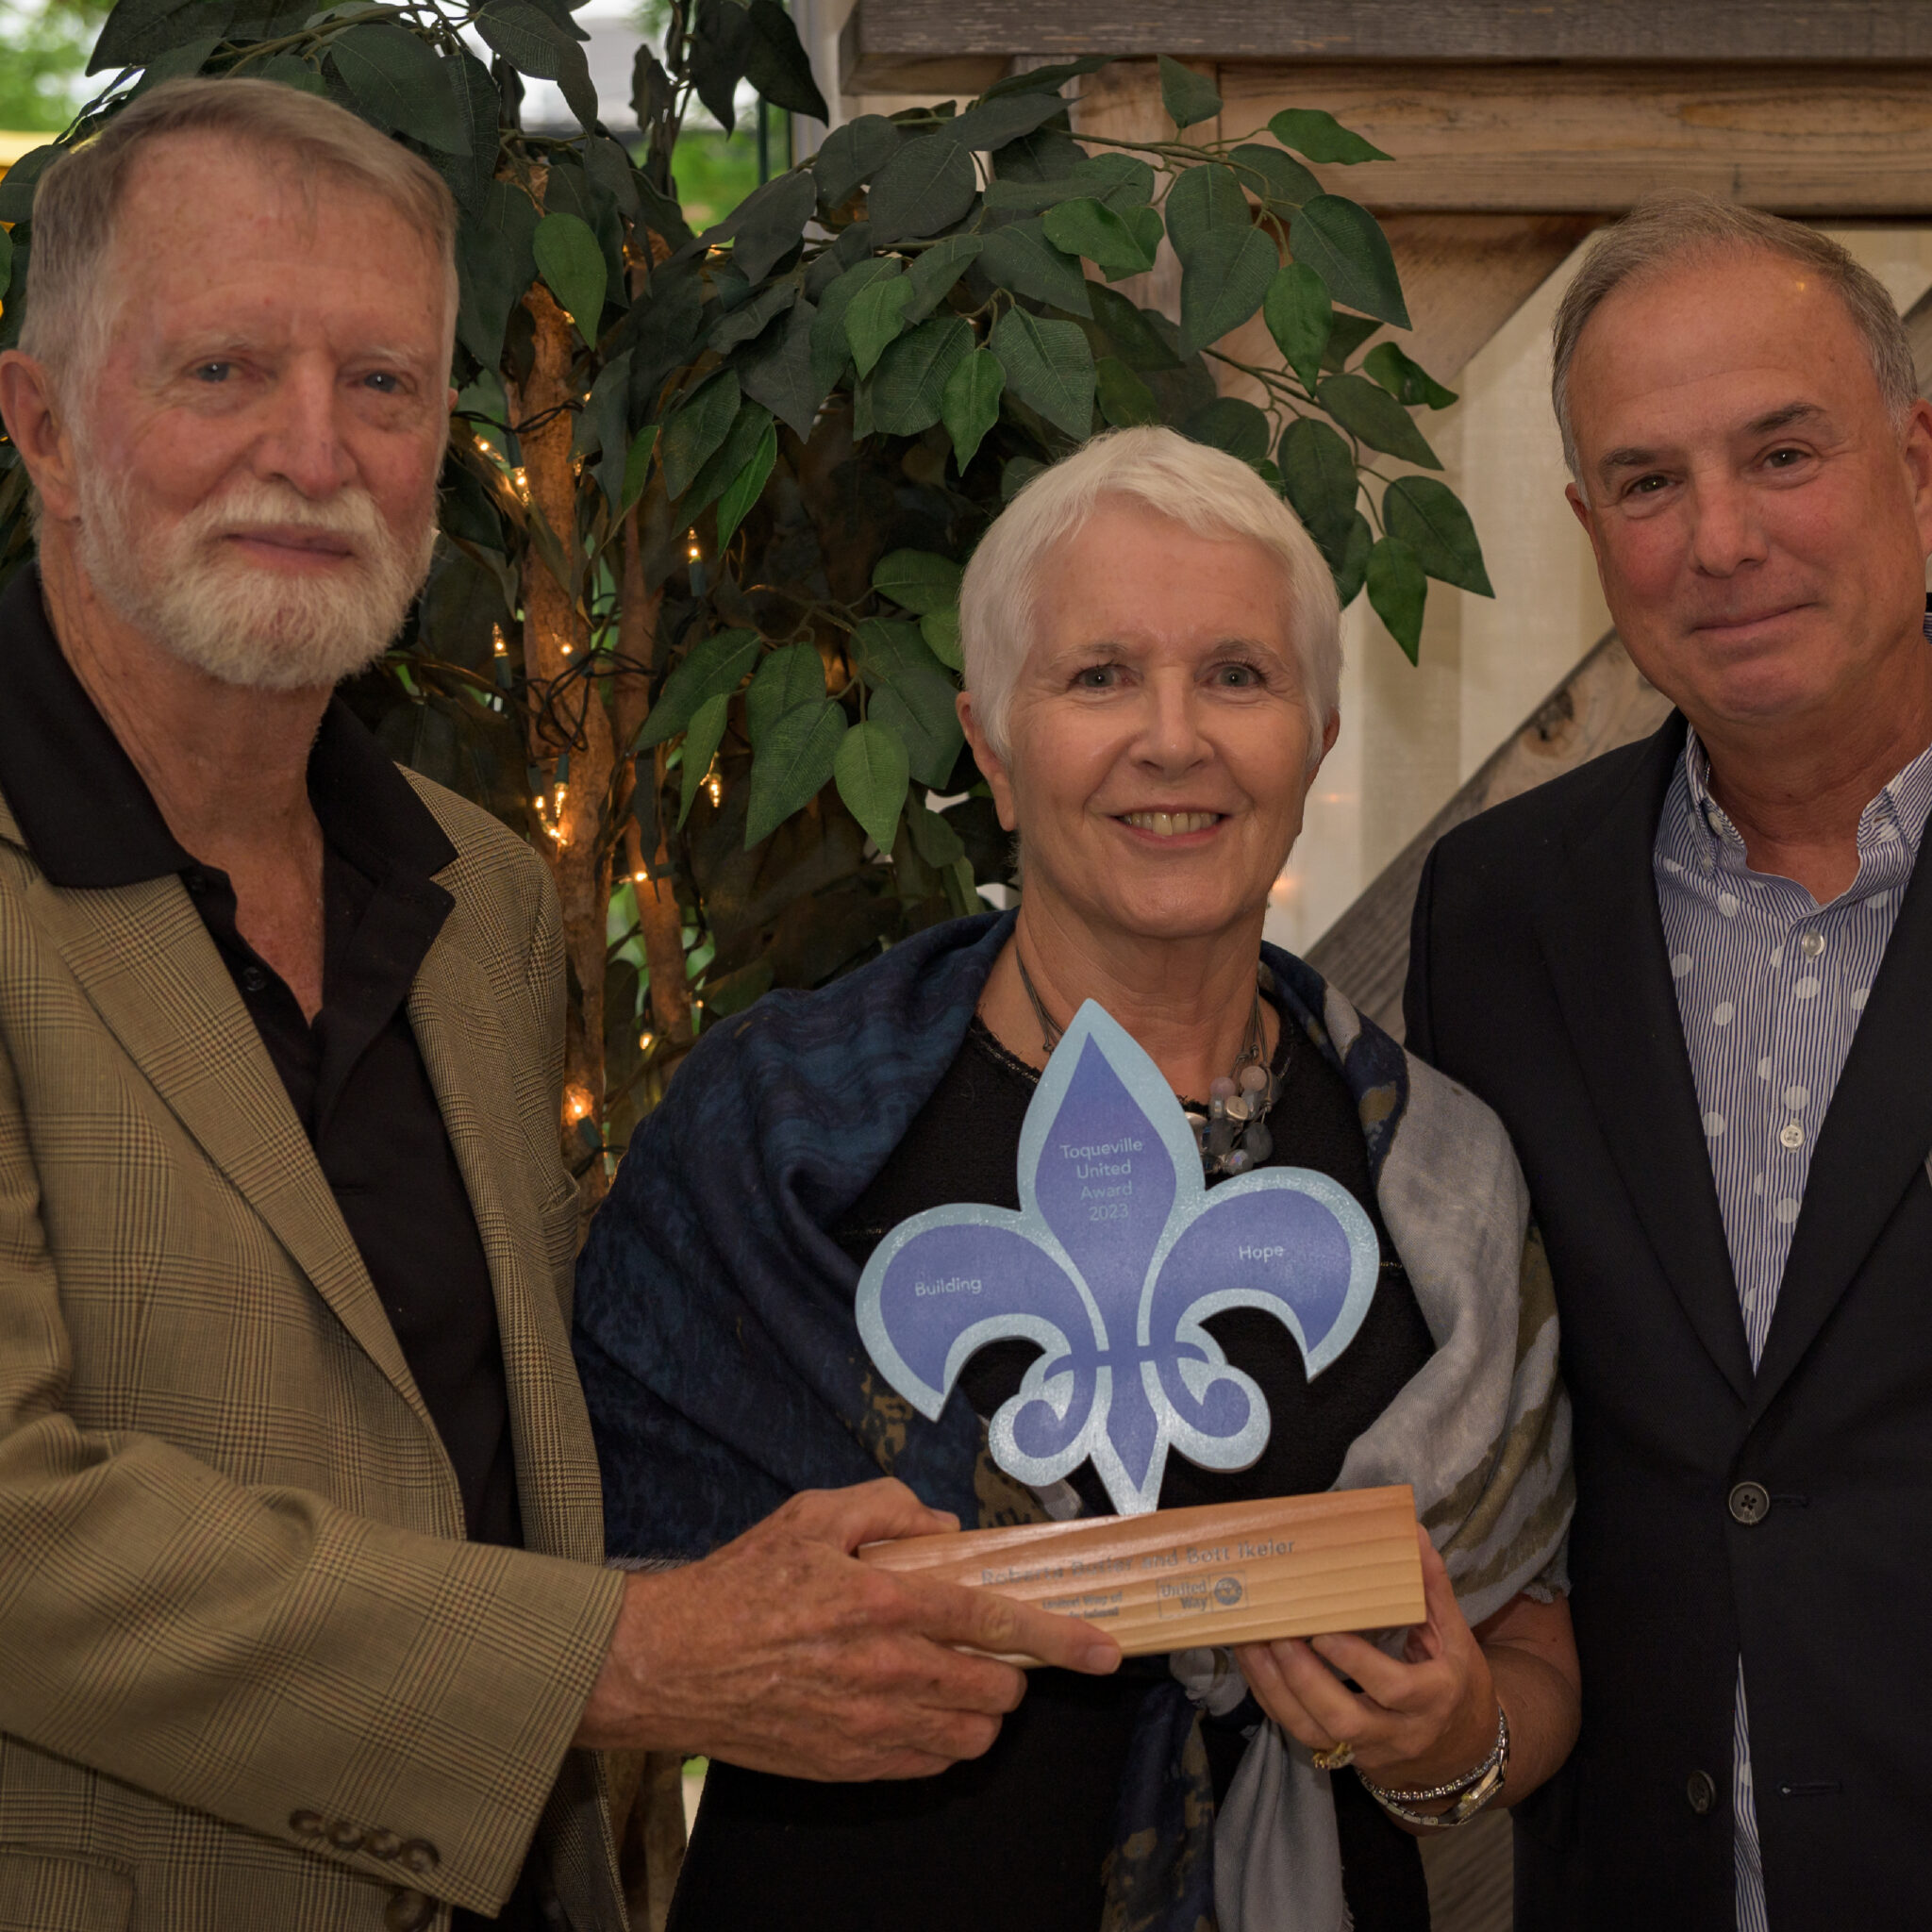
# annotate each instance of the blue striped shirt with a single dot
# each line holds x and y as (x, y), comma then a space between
(1769, 987)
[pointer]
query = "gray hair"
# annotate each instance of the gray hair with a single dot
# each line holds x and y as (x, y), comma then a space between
(1207, 491)
(1661, 228)
(77, 199)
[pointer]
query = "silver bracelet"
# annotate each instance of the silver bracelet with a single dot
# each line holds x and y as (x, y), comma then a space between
(1471, 1792)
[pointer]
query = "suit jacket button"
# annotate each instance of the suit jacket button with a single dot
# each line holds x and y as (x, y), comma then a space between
(344, 1836)
(307, 1823)
(1750, 1504)
(1700, 1791)
(383, 1844)
(419, 1856)
(408, 1911)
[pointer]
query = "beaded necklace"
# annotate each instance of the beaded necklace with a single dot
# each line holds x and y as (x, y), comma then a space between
(1233, 1134)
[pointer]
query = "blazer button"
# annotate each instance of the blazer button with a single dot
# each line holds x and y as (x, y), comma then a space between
(383, 1844)
(408, 1911)
(1700, 1791)
(307, 1823)
(345, 1835)
(1750, 1504)
(419, 1856)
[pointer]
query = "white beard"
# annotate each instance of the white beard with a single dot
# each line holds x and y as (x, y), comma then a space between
(192, 593)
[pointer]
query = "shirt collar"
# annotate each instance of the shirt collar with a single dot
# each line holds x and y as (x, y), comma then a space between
(87, 817)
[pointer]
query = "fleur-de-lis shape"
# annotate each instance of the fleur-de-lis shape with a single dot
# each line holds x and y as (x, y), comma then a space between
(1118, 1255)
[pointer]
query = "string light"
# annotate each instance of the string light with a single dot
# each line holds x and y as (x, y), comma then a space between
(578, 1102)
(693, 553)
(715, 786)
(638, 878)
(521, 479)
(646, 1042)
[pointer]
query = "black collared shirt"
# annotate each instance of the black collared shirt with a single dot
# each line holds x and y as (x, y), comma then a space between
(356, 1077)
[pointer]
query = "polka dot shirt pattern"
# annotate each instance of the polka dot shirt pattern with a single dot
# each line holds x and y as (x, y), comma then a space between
(1770, 988)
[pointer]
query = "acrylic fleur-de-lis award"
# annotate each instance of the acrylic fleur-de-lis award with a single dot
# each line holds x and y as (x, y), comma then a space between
(1116, 1258)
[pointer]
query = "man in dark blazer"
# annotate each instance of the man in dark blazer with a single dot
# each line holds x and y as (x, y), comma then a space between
(1694, 979)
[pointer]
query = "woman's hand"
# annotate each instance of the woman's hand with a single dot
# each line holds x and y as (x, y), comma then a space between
(1415, 1722)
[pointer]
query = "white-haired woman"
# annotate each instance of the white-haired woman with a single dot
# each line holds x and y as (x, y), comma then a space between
(1152, 663)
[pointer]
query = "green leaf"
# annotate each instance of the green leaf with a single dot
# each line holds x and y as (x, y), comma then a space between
(1114, 245)
(767, 224)
(569, 260)
(1230, 424)
(1428, 518)
(1349, 333)
(139, 31)
(1203, 200)
(607, 165)
(940, 630)
(1050, 367)
(401, 84)
(872, 779)
(740, 447)
(712, 669)
(734, 992)
(1320, 137)
(495, 262)
(932, 741)
(534, 43)
(779, 67)
(909, 389)
(970, 403)
(830, 349)
(1318, 472)
(778, 373)
(1018, 257)
(286, 70)
(1349, 564)
(1116, 181)
(1273, 177)
(1369, 411)
(1342, 244)
(5, 261)
(1128, 329)
(751, 319)
(637, 464)
(701, 741)
(797, 758)
(1397, 592)
(700, 425)
(788, 678)
(874, 317)
(721, 47)
(601, 420)
(854, 153)
(1124, 398)
(936, 269)
(918, 580)
(927, 185)
(1051, 79)
(1225, 284)
(749, 484)
(1300, 317)
(1188, 97)
(992, 123)
(1407, 382)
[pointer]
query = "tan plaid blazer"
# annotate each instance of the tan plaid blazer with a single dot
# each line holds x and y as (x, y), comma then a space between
(252, 1679)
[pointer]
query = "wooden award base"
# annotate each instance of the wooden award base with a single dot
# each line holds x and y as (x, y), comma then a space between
(1230, 1573)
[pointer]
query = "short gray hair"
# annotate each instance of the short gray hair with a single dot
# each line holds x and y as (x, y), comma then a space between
(1206, 491)
(1661, 228)
(77, 199)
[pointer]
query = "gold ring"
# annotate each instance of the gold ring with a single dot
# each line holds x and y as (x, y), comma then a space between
(1335, 1759)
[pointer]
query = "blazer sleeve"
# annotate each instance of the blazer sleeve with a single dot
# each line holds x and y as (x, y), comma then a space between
(260, 1654)
(1417, 1019)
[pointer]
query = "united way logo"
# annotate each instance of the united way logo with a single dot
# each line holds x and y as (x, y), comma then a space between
(1117, 1256)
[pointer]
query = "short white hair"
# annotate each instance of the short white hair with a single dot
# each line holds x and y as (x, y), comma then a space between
(1203, 490)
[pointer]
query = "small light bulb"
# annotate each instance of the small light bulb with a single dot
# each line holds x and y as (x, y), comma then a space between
(566, 650)
(645, 1040)
(716, 788)
(639, 877)
(538, 803)
(502, 648)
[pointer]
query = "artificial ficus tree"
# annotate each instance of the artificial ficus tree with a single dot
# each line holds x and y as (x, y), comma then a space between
(693, 627)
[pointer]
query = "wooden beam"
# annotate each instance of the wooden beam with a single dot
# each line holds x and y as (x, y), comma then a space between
(891, 36)
(1838, 140)
(1604, 703)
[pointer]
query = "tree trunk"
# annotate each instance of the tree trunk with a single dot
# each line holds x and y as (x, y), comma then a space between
(566, 719)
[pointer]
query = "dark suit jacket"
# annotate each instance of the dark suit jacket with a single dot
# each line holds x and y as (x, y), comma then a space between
(1539, 978)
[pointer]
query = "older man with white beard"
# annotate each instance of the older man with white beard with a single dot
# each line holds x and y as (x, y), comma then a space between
(303, 1620)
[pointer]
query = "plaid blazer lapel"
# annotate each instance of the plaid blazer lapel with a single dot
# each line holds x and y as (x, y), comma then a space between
(457, 1017)
(147, 966)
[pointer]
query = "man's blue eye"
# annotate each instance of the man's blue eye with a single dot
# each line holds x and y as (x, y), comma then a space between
(383, 382)
(214, 372)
